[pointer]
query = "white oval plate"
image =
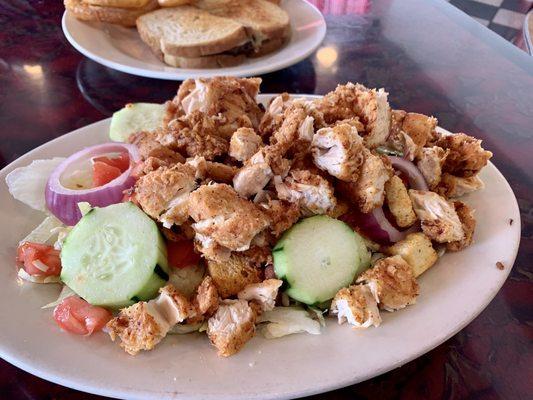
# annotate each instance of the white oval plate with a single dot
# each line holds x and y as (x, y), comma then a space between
(452, 293)
(122, 49)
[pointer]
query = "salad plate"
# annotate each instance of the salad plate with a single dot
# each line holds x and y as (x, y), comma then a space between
(122, 49)
(452, 293)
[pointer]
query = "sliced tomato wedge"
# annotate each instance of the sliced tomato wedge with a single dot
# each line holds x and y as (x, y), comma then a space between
(104, 173)
(39, 259)
(122, 161)
(76, 316)
(181, 254)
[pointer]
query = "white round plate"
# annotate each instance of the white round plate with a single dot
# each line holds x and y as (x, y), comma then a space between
(452, 293)
(122, 49)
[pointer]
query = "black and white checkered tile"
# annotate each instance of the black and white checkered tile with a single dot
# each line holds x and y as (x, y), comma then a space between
(505, 17)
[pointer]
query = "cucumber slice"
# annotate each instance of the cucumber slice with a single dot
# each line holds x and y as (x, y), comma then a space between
(114, 256)
(317, 257)
(136, 117)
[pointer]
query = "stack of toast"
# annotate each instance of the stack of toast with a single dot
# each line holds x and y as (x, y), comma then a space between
(204, 34)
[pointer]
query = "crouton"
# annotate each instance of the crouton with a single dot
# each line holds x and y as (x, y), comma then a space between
(231, 326)
(437, 216)
(399, 202)
(234, 275)
(416, 249)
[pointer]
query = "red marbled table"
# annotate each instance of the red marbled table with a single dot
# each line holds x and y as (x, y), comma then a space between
(431, 57)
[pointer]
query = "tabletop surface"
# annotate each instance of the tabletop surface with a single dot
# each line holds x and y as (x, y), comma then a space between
(432, 59)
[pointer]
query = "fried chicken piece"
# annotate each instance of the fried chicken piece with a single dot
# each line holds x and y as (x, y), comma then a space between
(369, 105)
(369, 190)
(231, 327)
(437, 216)
(397, 117)
(466, 157)
(339, 150)
(419, 127)
(254, 175)
(221, 215)
(210, 170)
(263, 293)
(244, 144)
(153, 153)
(357, 306)
(392, 283)
(230, 100)
(206, 300)
(313, 193)
(282, 214)
(233, 275)
(194, 134)
(399, 202)
(164, 193)
(468, 222)
(430, 162)
(143, 325)
(453, 186)
(259, 254)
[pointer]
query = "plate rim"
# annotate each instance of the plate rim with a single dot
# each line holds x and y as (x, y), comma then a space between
(109, 392)
(177, 75)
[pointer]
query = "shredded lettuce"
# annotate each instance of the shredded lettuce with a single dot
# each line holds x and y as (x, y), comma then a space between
(45, 232)
(187, 279)
(65, 292)
(22, 274)
(84, 207)
(182, 329)
(27, 184)
(284, 321)
(318, 315)
(62, 233)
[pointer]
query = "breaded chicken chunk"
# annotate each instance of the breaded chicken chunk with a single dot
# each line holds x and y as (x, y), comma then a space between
(150, 148)
(143, 325)
(466, 156)
(211, 170)
(232, 101)
(369, 105)
(369, 190)
(206, 300)
(282, 214)
(437, 216)
(263, 293)
(419, 127)
(392, 283)
(164, 193)
(244, 144)
(399, 202)
(339, 151)
(223, 216)
(254, 175)
(466, 216)
(452, 186)
(357, 306)
(195, 134)
(430, 162)
(313, 193)
(231, 327)
(233, 275)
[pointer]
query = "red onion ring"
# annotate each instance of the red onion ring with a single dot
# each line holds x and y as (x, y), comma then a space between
(63, 202)
(416, 179)
(394, 234)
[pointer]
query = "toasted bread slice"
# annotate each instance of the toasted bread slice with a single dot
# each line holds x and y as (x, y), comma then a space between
(112, 15)
(263, 19)
(269, 46)
(214, 61)
(186, 31)
(117, 3)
